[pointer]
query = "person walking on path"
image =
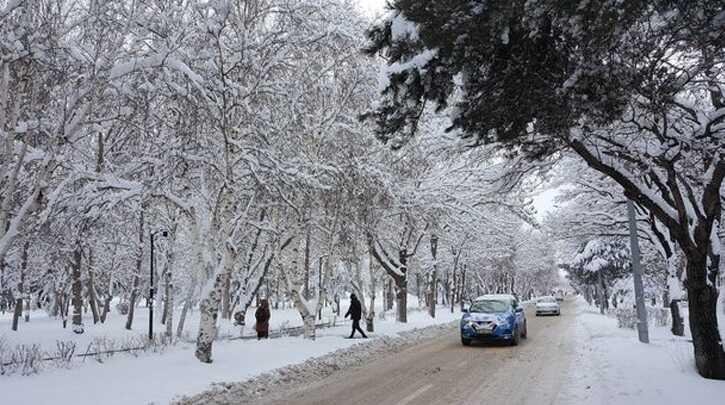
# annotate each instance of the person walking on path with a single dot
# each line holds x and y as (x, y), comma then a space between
(262, 315)
(355, 313)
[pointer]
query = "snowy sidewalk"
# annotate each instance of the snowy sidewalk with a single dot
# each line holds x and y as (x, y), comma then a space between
(159, 378)
(612, 367)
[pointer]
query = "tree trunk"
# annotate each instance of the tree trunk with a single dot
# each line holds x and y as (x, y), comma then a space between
(385, 297)
(308, 316)
(434, 276)
(433, 294)
(21, 286)
(306, 287)
(298, 299)
(17, 313)
(309, 326)
(226, 297)
(702, 298)
(77, 290)
(92, 295)
(137, 274)
(26, 293)
(601, 294)
(169, 307)
(66, 308)
(106, 308)
(211, 303)
(401, 295)
(319, 289)
(401, 284)
(159, 299)
(185, 310)
(208, 312)
(678, 324)
(451, 288)
(278, 298)
(370, 319)
(391, 294)
(672, 296)
(132, 299)
(165, 304)
(462, 292)
(420, 292)
(195, 276)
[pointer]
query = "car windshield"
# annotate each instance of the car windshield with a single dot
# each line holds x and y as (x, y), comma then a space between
(490, 306)
(547, 299)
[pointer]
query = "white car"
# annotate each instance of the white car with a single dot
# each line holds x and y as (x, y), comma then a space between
(547, 306)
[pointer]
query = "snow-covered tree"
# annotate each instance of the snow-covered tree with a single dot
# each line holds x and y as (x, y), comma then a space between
(635, 90)
(599, 264)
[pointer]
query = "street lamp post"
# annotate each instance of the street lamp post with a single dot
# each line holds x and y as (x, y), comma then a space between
(151, 285)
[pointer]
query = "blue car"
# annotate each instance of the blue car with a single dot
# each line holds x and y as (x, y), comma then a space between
(493, 318)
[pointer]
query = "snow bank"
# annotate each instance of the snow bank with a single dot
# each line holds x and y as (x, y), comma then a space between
(159, 378)
(313, 369)
(612, 367)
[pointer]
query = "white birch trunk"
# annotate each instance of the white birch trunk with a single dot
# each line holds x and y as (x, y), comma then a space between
(209, 309)
(303, 307)
(168, 281)
(200, 269)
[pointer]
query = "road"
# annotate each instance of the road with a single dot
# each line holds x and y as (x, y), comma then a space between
(442, 371)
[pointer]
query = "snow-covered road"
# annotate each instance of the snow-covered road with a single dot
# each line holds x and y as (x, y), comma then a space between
(442, 371)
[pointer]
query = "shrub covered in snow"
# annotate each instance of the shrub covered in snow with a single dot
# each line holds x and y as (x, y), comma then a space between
(627, 317)
(23, 359)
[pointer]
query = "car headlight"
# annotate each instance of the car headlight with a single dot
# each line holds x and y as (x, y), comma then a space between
(503, 323)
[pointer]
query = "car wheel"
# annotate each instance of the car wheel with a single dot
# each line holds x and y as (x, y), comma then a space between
(516, 338)
(525, 333)
(465, 342)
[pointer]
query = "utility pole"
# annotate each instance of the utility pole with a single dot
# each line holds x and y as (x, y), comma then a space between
(637, 275)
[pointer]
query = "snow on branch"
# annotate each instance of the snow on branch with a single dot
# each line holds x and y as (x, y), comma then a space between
(10, 7)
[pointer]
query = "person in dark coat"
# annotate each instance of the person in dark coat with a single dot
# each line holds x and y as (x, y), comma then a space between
(355, 313)
(262, 315)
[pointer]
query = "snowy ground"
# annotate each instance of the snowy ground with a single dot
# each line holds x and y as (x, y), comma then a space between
(45, 330)
(611, 367)
(159, 378)
(299, 376)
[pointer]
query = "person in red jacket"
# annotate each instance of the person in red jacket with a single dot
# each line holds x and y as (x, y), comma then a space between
(262, 315)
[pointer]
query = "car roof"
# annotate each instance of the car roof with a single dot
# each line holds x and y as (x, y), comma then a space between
(497, 297)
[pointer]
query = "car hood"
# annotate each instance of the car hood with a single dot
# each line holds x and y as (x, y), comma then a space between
(486, 317)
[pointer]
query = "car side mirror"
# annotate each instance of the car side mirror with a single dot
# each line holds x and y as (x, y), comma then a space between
(519, 309)
(465, 310)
